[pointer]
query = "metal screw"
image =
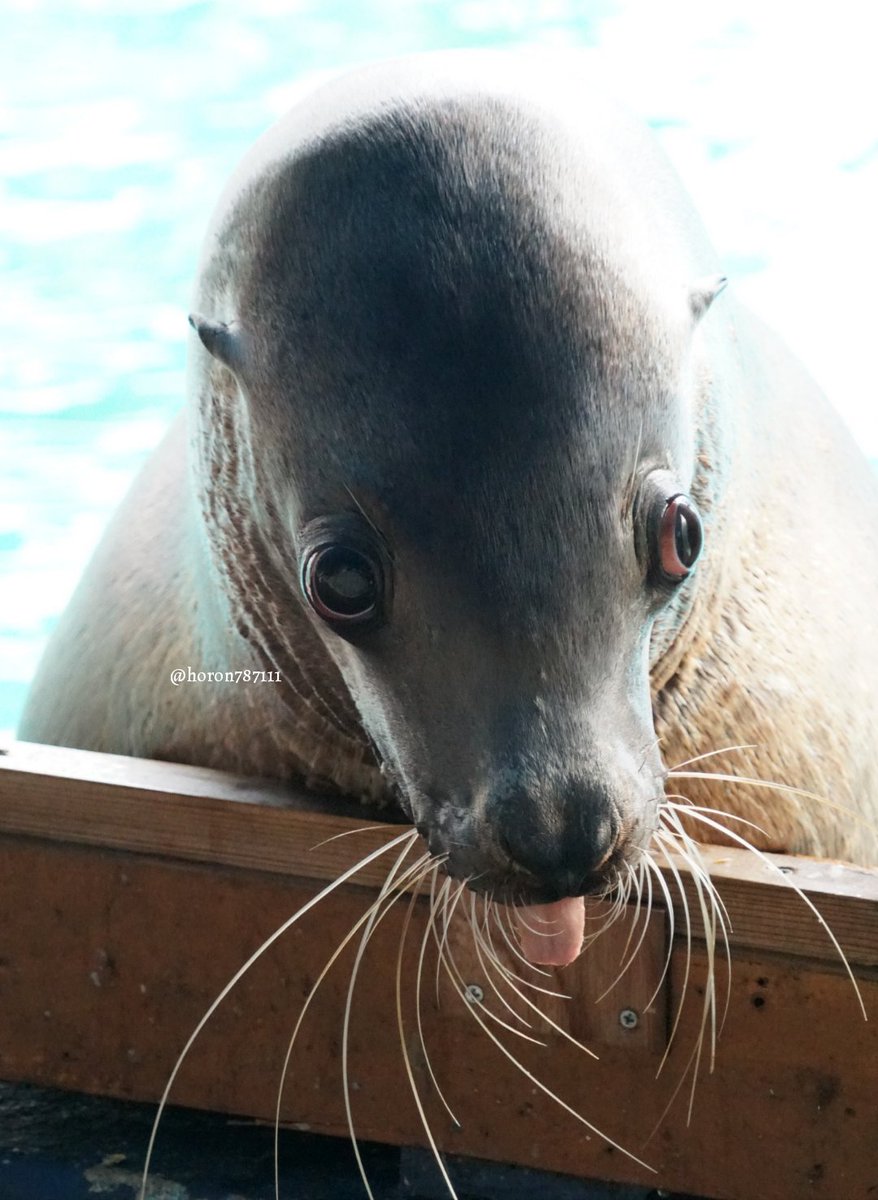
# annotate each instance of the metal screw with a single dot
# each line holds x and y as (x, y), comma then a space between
(628, 1018)
(473, 994)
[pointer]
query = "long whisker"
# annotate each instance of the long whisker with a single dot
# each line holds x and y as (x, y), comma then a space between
(614, 912)
(515, 950)
(637, 889)
(709, 1005)
(633, 885)
(444, 952)
(665, 842)
(347, 833)
(683, 1075)
(393, 882)
(654, 869)
(688, 805)
(607, 920)
(509, 978)
(637, 947)
(776, 787)
(664, 839)
(409, 835)
(620, 891)
(430, 928)
(547, 933)
(479, 946)
(474, 1008)
(709, 914)
(672, 812)
(803, 896)
(503, 918)
(405, 1054)
(448, 908)
(365, 938)
(687, 762)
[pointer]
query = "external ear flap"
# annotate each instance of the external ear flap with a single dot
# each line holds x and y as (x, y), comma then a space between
(703, 293)
(219, 339)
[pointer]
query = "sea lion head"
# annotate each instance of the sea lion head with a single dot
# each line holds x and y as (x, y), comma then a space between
(459, 360)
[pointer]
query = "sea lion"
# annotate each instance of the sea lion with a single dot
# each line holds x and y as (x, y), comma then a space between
(522, 509)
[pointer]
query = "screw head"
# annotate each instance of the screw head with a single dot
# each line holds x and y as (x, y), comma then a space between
(628, 1018)
(473, 994)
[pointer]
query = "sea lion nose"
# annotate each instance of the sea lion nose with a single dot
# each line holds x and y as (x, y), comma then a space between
(431, 836)
(563, 844)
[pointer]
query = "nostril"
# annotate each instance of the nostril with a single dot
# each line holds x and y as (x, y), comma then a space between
(565, 840)
(431, 837)
(612, 843)
(528, 849)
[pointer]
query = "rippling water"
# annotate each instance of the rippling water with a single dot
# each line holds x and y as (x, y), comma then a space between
(120, 121)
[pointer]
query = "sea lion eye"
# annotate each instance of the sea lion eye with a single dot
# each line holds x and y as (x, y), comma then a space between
(679, 539)
(342, 585)
(668, 532)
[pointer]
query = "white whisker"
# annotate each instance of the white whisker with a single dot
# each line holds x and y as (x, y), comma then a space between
(664, 841)
(694, 1058)
(687, 762)
(654, 869)
(515, 950)
(766, 861)
(536, 932)
(751, 781)
(393, 882)
(347, 833)
(672, 812)
(430, 928)
(365, 937)
(689, 806)
(448, 908)
(637, 947)
(708, 1010)
(475, 1009)
(504, 920)
(509, 978)
(405, 1054)
(408, 836)
(479, 945)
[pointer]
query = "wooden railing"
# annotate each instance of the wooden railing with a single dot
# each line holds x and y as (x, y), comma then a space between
(131, 891)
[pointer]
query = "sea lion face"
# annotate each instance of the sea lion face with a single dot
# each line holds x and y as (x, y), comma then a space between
(469, 425)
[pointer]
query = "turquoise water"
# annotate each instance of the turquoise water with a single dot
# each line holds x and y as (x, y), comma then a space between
(119, 123)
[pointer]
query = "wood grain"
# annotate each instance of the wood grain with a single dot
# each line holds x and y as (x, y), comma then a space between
(131, 892)
(195, 814)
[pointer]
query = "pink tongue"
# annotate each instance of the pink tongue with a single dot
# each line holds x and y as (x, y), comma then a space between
(551, 933)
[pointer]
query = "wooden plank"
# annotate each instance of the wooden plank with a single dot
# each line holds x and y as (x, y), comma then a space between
(633, 1013)
(113, 957)
(196, 814)
(179, 811)
(766, 913)
(138, 889)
